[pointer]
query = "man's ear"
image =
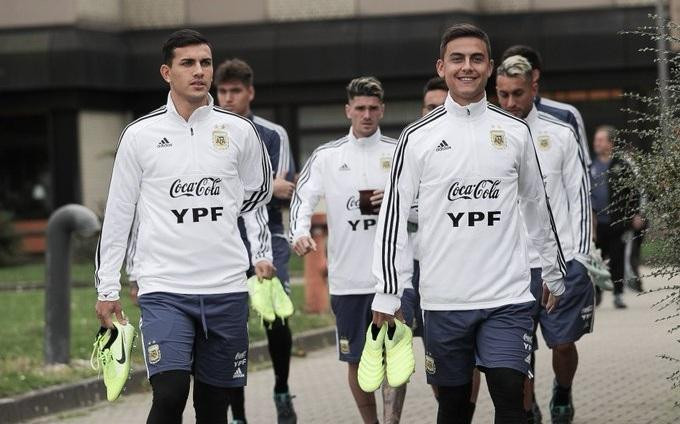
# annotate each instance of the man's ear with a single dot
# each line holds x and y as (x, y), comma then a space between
(165, 72)
(535, 75)
(439, 66)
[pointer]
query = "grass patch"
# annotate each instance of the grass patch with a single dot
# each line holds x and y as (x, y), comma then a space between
(21, 356)
(35, 274)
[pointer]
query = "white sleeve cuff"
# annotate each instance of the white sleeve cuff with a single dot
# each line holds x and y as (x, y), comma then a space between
(109, 296)
(295, 237)
(556, 287)
(386, 303)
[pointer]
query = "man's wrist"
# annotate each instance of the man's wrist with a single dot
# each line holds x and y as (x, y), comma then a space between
(556, 287)
(386, 303)
(109, 296)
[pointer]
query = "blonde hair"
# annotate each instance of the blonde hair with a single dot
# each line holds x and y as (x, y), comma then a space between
(515, 66)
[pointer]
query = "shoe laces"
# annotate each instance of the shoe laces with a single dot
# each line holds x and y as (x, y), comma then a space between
(96, 355)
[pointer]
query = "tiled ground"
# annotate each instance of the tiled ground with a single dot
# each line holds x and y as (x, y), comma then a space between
(620, 380)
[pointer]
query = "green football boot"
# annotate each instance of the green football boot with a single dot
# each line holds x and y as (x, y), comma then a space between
(111, 356)
(261, 298)
(399, 357)
(372, 363)
(283, 306)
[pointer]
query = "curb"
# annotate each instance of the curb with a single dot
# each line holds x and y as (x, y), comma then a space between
(91, 391)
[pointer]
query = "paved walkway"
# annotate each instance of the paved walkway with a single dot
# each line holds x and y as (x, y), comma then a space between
(620, 380)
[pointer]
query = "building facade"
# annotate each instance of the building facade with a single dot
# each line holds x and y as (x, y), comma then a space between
(73, 73)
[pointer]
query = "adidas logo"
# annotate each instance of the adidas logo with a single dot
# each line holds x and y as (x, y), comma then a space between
(442, 146)
(344, 167)
(164, 143)
(238, 373)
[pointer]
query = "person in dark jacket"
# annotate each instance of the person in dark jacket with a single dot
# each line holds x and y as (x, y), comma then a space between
(615, 205)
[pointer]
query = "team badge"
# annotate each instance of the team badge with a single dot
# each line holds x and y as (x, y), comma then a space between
(498, 139)
(429, 365)
(344, 346)
(153, 353)
(220, 138)
(385, 163)
(543, 142)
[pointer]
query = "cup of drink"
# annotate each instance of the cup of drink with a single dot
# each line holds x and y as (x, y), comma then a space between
(365, 206)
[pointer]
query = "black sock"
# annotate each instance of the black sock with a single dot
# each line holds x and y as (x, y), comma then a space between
(170, 393)
(237, 401)
(210, 403)
(453, 404)
(506, 387)
(562, 395)
(280, 343)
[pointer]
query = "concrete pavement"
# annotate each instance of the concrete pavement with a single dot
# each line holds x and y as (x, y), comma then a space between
(620, 380)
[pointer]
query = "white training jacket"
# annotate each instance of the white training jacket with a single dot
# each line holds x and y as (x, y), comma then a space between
(582, 136)
(188, 181)
(337, 171)
(284, 145)
(566, 183)
(474, 168)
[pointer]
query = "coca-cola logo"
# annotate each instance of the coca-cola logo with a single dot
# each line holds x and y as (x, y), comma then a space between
(484, 189)
(207, 186)
(352, 203)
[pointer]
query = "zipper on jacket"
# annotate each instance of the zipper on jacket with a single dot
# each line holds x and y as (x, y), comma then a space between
(193, 147)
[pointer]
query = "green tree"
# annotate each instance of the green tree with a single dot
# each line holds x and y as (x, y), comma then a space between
(655, 159)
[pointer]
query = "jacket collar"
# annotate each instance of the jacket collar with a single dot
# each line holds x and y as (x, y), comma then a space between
(365, 142)
(532, 117)
(199, 114)
(470, 111)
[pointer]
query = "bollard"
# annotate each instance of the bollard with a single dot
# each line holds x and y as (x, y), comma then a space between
(62, 223)
(316, 269)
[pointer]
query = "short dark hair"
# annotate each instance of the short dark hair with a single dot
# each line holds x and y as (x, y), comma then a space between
(463, 30)
(234, 70)
(435, 83)
(609, 129)
(526, 52)
(365, 86)
(182, 38)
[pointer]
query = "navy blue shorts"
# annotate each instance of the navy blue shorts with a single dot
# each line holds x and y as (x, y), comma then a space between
(204, 334)
(353, 314)
(457, 341)
(575, 313)
(410, 304)
(281, 253)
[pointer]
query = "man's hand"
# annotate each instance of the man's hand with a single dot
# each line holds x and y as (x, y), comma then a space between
(377, 198)
(105, 309)
(134, 290)
(380, 317)
(264, 270)
(304, 245)
(548, 300)
(283, 189)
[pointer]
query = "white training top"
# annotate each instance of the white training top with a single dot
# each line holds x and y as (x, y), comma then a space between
(284, 145)
(474, 168)
(566, 183)
(337, 171)
(582, 136)
(188, 181)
